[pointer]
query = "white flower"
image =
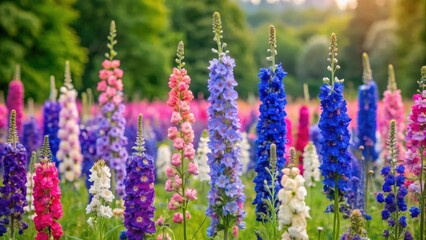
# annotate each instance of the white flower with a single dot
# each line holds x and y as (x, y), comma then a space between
(311, 165)
(293, 210)
(164, 155)
(201, 158)
(100, 189)
(90, 221)
(245, 151)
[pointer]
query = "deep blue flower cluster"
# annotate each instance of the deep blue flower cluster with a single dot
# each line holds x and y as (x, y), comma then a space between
(139, 189)
(315, 136)
(88, 136)
(13, 192)
(271, 128)
(51, 110)
(367, 120)
(393, 196)
(226, 196)
(333, 125)
(31, 137)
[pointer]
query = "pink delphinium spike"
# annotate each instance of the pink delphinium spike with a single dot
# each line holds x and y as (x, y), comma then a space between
(393, 108)
(302, 134)
(15, 98)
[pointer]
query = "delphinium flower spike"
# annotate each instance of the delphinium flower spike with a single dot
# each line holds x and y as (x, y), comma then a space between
(47, 196)
(69, 153)
(356, 229)
(139, 188)
(30, 186)
(111, 142)
(302, 135)
(31, 135)
(271, 127)
(51, 111)
(13, 190)
(102, 196)
(15, 98)
(393, 109)
(394, 193)
(182, 135)
(415, 158)
(367, 114)
(226, 196)
(201, 157)
(293, 211)
(333, 126)
(311, 165)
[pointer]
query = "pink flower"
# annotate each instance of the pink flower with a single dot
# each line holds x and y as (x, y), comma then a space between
(173, 204)
(103, 74)
(112, 80)
(111, 91)
(170, 172)
(178, 181)
(189, 151)
(163, 237)
(117, 99)
(160, 221)
(178, 218)
(182, 86)
(172, 133)
(178, 198)
(176, 160)
(191, 194)
(176, 118)
(106, 64)
(169, 186)
(178, 143)
(118, 73)
(119, 85)
(101, 86)
(188, 215)
(192, 168)
(235, 231)
(115, 63)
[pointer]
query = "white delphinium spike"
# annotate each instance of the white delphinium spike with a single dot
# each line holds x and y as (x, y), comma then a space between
(245, 151)
(30, 186)
(311, 165)
(100, 190)
(293, 211)
(201, 158)
(164, 154)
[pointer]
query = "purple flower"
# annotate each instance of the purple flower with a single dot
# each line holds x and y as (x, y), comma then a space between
(51, 110)
(31, 137)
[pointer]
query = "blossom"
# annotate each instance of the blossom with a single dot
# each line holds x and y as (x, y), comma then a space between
(223, 209)
(139, 189)
(271, 128)
(100, 190)
(47, 196)
(293, 211)
(88, 138)
(302, 134)
(111, 142)
(367, 114)
(31, 136)
(393, 109)
(15, 99)
(51, 111)
(201, 158)
(13, 190)
(69, 153)
(356, 230)
(311, 165)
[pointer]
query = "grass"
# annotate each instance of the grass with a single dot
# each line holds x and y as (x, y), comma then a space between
(75, 227)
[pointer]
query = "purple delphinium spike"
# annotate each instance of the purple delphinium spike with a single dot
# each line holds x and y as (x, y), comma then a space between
(226, 196)
(111, 142)
(31, 135)
(51, 110)
(15, 99)
(139, 189)
(13, 192)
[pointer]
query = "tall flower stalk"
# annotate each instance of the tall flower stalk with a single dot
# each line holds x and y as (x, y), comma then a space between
(333, 126)
(302, 135)
(393, 109)
(293, 211)
(31, 135)
(111, 142)
(51, 111)
(13, 192)
(139, 187)
(271, 128)
(415, 159)
(226, 196)
(47, 196)
(394, 193)
(30, 186)
(311, 164)
(15, 99)
(182, 135)
(98, 208)
(69, 153)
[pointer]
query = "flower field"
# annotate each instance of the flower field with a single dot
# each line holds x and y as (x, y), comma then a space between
(214, 168)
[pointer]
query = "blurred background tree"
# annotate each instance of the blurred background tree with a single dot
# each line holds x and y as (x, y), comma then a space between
(37, 35)
(42, 34)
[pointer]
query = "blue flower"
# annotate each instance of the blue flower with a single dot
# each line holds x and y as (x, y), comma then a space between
(403, 221)
(271, 128)
(414, 212)
(385, 214)
(380, 198)
(51, 110)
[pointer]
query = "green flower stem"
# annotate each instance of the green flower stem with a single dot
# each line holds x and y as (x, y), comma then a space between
(336, 225)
